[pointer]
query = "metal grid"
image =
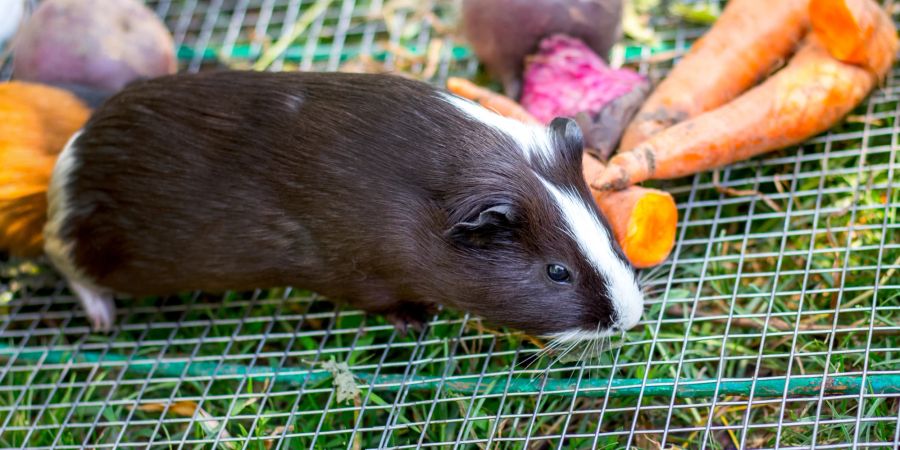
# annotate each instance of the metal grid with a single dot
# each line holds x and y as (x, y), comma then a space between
(773, 324)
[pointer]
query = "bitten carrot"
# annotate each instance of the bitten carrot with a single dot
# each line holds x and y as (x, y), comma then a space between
(858, 32)
(643, 221)
(801, 100)
(36, 121)
(745, 43)
(498, 103)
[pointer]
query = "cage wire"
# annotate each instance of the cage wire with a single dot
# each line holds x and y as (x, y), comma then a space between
(772, 325)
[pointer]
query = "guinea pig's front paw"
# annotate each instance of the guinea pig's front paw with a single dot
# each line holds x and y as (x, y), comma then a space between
(98, 304)
(406, 316)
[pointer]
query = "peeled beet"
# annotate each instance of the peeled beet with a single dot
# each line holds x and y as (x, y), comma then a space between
(503, 32)
(565, 78)
(100, 44)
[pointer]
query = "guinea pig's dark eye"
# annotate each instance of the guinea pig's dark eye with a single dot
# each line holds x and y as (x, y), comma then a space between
(558, 273)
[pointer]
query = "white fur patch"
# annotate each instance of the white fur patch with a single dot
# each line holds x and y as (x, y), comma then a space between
(533, 139)
(58, 250)
(595, 243)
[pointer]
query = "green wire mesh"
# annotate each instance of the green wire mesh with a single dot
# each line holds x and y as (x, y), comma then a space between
(772, 325)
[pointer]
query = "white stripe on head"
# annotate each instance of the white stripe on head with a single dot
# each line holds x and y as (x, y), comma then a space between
(595, 243)
(533, 139)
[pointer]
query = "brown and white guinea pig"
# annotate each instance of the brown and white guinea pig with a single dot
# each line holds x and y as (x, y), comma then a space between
(386, 193)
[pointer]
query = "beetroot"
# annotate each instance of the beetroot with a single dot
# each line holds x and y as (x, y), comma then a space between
(503, 32)
(102, 44)
(566, 78)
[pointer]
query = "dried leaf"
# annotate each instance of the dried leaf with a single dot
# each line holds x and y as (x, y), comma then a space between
(275, 435)
(189, 409)
(343, 380)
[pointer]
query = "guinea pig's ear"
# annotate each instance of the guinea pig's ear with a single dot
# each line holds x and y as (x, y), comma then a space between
(492, 225)
(567, 138)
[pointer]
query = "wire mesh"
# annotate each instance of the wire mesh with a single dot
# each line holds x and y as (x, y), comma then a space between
(772, 325)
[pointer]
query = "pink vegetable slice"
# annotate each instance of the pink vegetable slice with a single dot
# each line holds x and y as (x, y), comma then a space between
(566, 78)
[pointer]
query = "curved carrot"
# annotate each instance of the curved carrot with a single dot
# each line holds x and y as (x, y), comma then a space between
(803, 99)
(498, 103)
(35, 123)
(744, 44)
(855, 31)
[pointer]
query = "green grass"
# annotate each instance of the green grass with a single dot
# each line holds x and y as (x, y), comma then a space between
(45, 404)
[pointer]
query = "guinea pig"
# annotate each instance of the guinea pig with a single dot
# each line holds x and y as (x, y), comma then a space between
(382, 192)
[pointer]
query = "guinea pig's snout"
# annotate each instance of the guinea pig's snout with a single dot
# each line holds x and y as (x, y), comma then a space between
(629, 318)
(629, 311)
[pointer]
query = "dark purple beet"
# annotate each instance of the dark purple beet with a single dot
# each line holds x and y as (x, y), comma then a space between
(100, 44)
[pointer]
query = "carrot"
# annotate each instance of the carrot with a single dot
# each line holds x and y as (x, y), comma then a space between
(745, 43)
(642, 220)
(38, 115)
(36, 121)
(856, 32)
(801, 100)
(498, 103)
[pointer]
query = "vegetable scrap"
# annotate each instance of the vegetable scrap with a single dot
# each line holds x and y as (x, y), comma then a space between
(502, 33)
(565, 78)
(643, 220)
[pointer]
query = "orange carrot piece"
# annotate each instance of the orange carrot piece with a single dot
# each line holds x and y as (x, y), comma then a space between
(856, 31)
(498, 103)
(36, 115)
(803, 99)
(643, 220)
(36, 121)
(745, 43)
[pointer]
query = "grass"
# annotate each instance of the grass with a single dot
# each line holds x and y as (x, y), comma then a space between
(753, 290)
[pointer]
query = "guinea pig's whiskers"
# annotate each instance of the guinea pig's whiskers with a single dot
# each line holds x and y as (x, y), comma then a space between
(651, 274)
(571, 346)
(595, 354)
(585, 359)
(535, 357)
(601, 347)
(650, 292)
(651, 279)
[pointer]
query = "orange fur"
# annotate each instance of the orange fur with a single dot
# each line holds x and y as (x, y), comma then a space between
(35, 123)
